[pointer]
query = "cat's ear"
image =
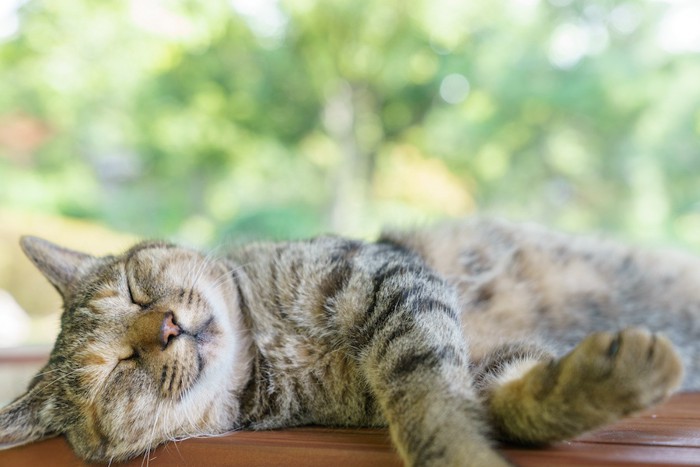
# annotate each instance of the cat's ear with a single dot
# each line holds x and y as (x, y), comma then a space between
(26, 419)
(60, 265)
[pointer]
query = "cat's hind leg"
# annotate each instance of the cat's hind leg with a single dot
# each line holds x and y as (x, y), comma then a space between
(535, 399)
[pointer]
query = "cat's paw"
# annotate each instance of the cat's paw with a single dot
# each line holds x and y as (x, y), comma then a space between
(604, 378)
(609, 375)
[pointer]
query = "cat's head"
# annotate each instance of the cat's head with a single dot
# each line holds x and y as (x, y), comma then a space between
(149, 341)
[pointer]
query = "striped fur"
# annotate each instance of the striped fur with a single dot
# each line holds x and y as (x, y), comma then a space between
(452, 336)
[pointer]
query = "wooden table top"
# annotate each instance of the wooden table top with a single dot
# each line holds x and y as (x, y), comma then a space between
(666, 435)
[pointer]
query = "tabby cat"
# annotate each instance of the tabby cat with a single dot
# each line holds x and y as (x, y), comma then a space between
(452, 336)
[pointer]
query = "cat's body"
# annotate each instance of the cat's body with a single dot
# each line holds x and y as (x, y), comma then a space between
(450, 335)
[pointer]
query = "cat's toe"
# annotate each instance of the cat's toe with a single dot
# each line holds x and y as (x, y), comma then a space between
(658, 367)
(632, 369)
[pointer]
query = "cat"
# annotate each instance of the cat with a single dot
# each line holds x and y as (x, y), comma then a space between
(454, 336)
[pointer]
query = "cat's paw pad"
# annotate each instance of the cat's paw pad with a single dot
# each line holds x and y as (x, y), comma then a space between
(623, 372)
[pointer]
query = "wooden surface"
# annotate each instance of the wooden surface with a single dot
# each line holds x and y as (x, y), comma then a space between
(666, 435)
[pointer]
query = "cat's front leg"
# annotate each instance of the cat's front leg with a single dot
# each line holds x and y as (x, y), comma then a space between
(435, 417)
(416, 363)
(607, 376)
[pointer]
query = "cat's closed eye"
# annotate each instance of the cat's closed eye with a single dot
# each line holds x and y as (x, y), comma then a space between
(133, 300)
(132, 356)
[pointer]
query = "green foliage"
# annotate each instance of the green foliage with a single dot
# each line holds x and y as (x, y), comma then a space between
(216, 119)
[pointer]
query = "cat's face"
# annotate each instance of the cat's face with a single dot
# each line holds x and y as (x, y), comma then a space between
(149, 341)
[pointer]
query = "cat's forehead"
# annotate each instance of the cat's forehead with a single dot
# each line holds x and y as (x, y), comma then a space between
(154, 270)
(146, 245)
(144, 255)
(159, 256)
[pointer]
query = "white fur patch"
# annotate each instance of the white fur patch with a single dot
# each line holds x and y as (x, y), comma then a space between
(515, 370)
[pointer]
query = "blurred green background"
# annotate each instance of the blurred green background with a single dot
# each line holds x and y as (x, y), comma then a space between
(225, 120)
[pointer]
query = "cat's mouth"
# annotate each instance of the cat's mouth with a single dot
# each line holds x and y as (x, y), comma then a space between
(206, 337)
(206, 332)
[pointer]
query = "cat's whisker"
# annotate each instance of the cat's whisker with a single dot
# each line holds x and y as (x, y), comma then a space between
(145, 455)
(227, 275)
(61, 377)
(196, 274)
(204, 264)
(154, 441)
(191, 273)
(47, 372)
(193, 427)
(222, 280)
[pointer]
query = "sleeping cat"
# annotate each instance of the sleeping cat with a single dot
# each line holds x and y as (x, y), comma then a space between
(453, 336)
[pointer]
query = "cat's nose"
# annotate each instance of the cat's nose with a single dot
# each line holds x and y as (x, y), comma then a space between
(168, 329)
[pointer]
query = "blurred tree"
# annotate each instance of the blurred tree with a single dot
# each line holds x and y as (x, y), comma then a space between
(278, 118)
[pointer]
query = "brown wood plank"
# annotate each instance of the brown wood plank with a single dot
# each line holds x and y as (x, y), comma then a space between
(668, 435)
(684, 405)
(585, 454)
(675, 423)
(303, 446)
(682, 432)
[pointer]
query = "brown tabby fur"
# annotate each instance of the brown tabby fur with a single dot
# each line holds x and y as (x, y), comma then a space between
(453, 336)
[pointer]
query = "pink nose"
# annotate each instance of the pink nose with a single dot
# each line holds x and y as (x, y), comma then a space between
(168, 329)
